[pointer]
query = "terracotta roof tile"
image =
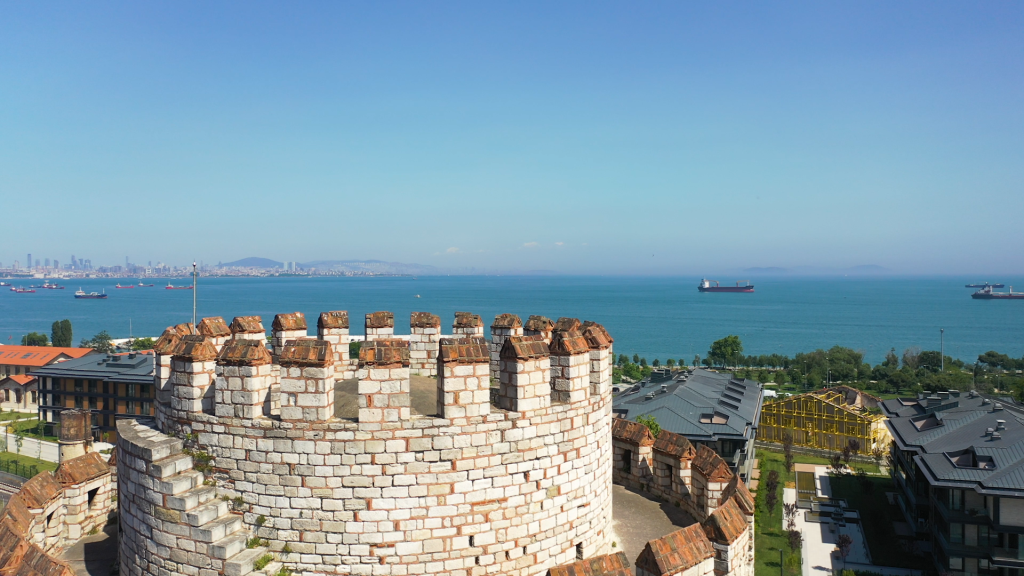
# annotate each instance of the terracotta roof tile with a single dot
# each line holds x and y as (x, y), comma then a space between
(247, 325)
(289, 321)
(22, 379)
(597, 338)
(380, 320)
(384, 352)
(16, 513)
(464, 351)
(195, 348)
(675, 445)
(507, 321)
(726, 524)
(40, 490)
(13, 546)
(333, 319)
(238, 352)
(112, 461)
(185, 328)
(632, 432)
(539, 323)
(38, 356)
(167, 341)
(711, 465)
(424, 320)
(524, 348)
(306, 352)
(607, 565)
(599, 327)
(214, 327)
(565, 324)
(82, 469)
(467, 320)
(737, 490)
(568, 343)
(675, 552)
(35, 562)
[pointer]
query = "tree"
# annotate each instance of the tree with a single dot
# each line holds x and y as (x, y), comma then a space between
(670, 363)
(100, 342)
(911, 357)
(796, 539)
(656, 363)
(725, 350)
(636, 358)
(780, 377)
(696, 360)
(643, 362)
(35, 339)
(835, 463)
(787, 449)
(789, 512)
(651, 423)
(623, 359)
(891, 360)
(60, 333)
(878, 453)
(143, 344)
(844, 543)
(854, 446)
(771, 495)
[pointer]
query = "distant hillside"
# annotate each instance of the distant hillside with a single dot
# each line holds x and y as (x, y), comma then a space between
(374, 266)
(863, 270)
(253, 262)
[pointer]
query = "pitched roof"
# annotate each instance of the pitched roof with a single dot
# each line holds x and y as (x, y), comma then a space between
(237, 352)
(247, 325)
(40, 490)
(384, 352)
(306, 352)
(539, 323)
(333, 319)
(676, 445)
(467, 320)
(507, 321)
(607, 565)
(196, 348)
(289, 321)
(632, 432)
(134, 367)
(597, 339)
(185, 328)
(737, 490)
(424, 320)
(564, 324)
(38, 355)
(524, 348)
(81, 469)
(22, 379)
(568, 343)
(214, 327)
(464, 351)
(19, 557)
(167, 341)
(16, 512)
(676, 552)
(599, 328)
(380, 320)
(726, 524)
(711, 464)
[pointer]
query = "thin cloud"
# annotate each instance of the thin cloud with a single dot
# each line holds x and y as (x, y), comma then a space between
(559, 243)
(531, 245)
(452, 250)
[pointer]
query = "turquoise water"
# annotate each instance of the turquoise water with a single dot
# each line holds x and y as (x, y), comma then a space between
(655, 317)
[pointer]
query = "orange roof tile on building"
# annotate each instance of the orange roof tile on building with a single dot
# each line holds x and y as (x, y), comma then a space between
(167, 341)
(185, 328)
(386, 352)
(596, 339)
(467, 320)
(381, 319)
(711, 465)
(507, 321)
(238, 352)
(289, 321)
(606, 565)
(424, 320)
(195, 348)
(726, 524)
(22, 379)
(632, 432)
(675, 552)
(737, 490)
(247, 325)
(568, 343)
(306, 352)
(17, 513)
(40, 491)
(539, 323)
(81, 469)
(38, 356)
(214, 327)
(675, 445)
(565, 324)
(333, 319)
(524, 348)
(13, 546)
(463, 351)
(598, 327)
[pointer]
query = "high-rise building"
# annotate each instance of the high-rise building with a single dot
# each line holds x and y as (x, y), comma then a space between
(37, 262)
(56, 265)
(46, 262)
(74, 263)
(28, 263)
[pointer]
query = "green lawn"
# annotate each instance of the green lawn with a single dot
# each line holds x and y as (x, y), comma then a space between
(29, 429)
(24, 466)
(5, 416)
(769, 536)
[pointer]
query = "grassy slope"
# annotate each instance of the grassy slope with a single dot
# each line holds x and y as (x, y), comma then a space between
(19, 464)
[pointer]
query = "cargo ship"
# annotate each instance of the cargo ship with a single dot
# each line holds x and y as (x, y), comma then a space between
(128, 286)
(987, 293)
(173, 287)
(705, 286)
(985, 285)
(23, 291)
(91, 295)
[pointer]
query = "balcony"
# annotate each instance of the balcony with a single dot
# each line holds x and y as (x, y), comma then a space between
(969, 516)
(1007, 557)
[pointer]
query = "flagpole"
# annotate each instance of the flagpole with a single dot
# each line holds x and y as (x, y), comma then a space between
(194, 295)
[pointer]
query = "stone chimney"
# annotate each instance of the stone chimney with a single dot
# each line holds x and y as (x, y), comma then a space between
(380, 326)
(307, 381)
(424, 339)
(193, 369)
(601, 359)
(74, 437)
(248, 328)
(464, 379)
(216, 329)
(243, 379)
(384, 389)
(287, 327)
(468, 325)
(333, 327)
(504, 325)
(570, 367)
(539, 326)
(525, 374)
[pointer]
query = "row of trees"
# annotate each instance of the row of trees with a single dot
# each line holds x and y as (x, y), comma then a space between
(61, 334)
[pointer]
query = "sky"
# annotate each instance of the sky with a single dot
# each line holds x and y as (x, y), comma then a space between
(577, 137)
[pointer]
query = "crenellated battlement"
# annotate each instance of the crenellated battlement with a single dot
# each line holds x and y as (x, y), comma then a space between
(510, 486)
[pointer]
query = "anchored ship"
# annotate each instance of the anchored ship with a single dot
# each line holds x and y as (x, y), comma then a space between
(985, 285)
(91, 295)
(705, 286)
(173, 287)
(987, 293)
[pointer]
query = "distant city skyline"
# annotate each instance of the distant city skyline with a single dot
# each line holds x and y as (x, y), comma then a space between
(575, 138)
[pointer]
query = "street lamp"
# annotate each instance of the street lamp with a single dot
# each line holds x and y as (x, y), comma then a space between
(942, 348)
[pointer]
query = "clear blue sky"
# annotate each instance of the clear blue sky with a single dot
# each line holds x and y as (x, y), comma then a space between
(579, 137)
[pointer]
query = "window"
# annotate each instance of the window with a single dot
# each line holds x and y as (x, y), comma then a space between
(130, 407)
(956, 563)
(92, 402)
(956, 534)
(33, 397)
(579, 551)
(92, 387)
(147, 409)
(78, 385)
(78, 402)
(7, 395)
(627, 461)
(130, 390)
(956, 500)
(106, 387)
(92, 496)
(56, 400)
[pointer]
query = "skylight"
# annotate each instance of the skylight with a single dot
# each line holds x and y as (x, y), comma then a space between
(715, 418)
(927, 422)
(968, 458)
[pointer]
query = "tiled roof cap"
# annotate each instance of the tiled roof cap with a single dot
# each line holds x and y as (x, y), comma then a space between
(289, 321)
(539, 323)
(507, 321)
(238, 352)
(568, 343)
(597, 337)
(333, 319)
(40, 490)
(566, 324)
(384, 352)
(185, 328)
(464, 351)
(632, 432)
(82, 469)
(606, 565)
(306, 352)
(424, 320)
(167, 341)
(737, 490)
(247, 325)
(380, 320)
(17, 514)
(22, 379)
(196, 348)
(524, 348)
(675, 445)
(599, 327)
(214, 327)
(711, 465)
(726, 524)
(467, 320)
(675, 552)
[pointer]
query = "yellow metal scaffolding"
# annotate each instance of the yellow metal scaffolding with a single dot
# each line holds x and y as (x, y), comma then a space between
(822, 420)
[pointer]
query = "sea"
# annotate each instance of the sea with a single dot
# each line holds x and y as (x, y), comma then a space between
(655, 317)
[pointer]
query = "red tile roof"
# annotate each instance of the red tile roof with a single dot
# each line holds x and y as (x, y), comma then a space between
(333, 319)
(726, 524)
(675, 445)
(244, 353)
(40, 490)
(424, 320)
(711, 465)
(247, 325)
(38, 356)
(632, 432)
(598, 327)
(380, 320)
(607, 565)
(566, 324)
(539, 323)
(676, 552)
(306, 352)
(289, 321)
(167, 341)
(507, 321)
(81, 469)
(467, 320)
(23, 379)
(384, 352)
(738, 491)
(568, 343)
(524, 348)
(454, 350)
(195, 348)
(215, 327)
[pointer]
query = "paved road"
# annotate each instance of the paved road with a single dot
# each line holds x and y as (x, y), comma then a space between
(94, 555)
(637, 520)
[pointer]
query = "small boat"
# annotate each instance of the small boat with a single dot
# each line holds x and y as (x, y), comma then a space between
(988, 294)
(49, 286)
(141, 285)
(22, 291)
(128, 286)
(91, 295)
(417, 295)
(5, 283)
(172, 287)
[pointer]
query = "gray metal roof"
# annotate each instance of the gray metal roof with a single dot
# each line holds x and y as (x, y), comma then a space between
(129, 368)
(688, 398)
(939, 428)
